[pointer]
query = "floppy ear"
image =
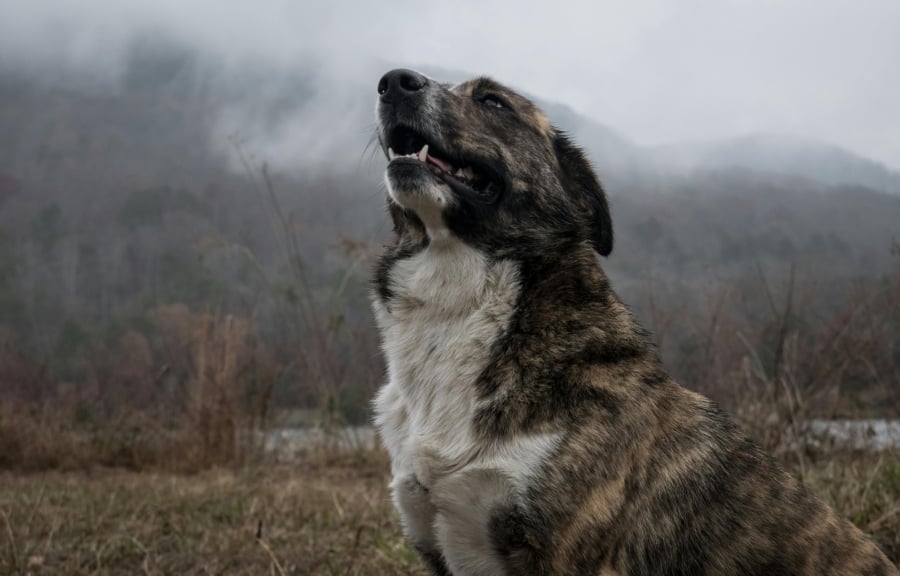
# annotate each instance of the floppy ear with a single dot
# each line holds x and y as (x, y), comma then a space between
(581, 183)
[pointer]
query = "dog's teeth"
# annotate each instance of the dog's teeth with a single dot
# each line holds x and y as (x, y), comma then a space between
(391, 153)
(423, 153)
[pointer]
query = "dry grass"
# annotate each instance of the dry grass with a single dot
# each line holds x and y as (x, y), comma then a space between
(203, 407)
(51, 438)
(324, 517)
(865, 489)
(327, 515)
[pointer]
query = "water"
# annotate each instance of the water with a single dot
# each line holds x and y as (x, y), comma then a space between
(286, 443)
(873, 435)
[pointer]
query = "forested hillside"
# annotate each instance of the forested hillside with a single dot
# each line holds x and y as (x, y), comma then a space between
(145, 239)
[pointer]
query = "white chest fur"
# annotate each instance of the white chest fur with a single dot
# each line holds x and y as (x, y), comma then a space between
(449, 306)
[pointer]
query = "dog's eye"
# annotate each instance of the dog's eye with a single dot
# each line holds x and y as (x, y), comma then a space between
(492, 101)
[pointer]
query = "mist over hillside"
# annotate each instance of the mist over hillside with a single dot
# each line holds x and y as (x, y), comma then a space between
(193, 205)
(780, 155)
(121, 199)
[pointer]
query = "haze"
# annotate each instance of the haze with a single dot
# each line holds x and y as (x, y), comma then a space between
(192, 205)
(657, 71)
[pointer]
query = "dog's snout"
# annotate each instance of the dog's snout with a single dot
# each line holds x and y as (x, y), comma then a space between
(400, 83)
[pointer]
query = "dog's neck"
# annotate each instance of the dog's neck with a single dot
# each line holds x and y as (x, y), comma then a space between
(571, 283)
(447, 278)
(448, 273)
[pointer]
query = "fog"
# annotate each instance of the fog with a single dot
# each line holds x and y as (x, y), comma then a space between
(659, 72)
(192, 205)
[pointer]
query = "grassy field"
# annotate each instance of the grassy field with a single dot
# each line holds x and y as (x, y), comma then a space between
(323, 517)
(327, 515)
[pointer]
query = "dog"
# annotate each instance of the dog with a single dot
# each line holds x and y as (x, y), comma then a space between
(530, 424)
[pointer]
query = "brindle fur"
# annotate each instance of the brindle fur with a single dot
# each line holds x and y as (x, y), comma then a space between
(648, 478)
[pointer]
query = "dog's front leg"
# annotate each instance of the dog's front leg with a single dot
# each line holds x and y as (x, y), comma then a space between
(481, 527)
(418, 515)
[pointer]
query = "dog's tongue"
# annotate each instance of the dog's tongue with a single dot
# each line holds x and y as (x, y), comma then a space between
(439, 163)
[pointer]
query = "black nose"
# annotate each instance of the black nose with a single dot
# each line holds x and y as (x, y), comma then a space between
(400, 82)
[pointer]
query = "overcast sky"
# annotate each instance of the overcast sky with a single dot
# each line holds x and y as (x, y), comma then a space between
(658, 71)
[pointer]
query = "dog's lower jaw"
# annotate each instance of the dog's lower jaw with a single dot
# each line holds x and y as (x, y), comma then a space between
(427, 200)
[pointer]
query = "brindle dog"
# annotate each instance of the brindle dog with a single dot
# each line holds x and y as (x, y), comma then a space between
(531, 426)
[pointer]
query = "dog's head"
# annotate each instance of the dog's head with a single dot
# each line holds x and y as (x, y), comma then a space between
(483, 164)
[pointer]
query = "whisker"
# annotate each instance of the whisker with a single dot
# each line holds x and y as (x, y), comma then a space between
(371, 149)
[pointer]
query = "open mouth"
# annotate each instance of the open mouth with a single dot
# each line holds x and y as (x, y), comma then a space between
(474, 178)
